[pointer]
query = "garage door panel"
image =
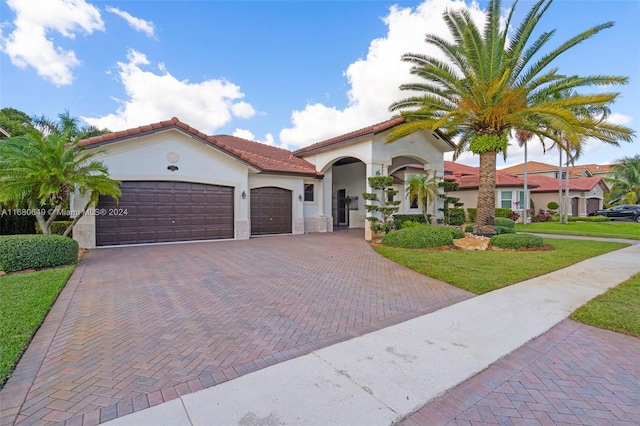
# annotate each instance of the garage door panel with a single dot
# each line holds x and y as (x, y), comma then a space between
(166, 211)
(271, 211)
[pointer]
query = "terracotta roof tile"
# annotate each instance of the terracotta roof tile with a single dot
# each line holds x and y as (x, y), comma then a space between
(263, 157)
(454, 168)
(532, 167)
(502, 179)
(549, 184)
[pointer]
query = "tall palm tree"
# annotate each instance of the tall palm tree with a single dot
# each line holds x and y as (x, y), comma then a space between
(425, 190)
(625, 184)
(44, 169)
(492, 84)
(524, 136)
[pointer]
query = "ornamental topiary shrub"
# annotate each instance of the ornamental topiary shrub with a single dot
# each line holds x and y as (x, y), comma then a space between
(19, 252)
(456, 216)
(516, 241)
(505, 230)
(469, 228)
(503, 221)
(471, 212)
(419, 237)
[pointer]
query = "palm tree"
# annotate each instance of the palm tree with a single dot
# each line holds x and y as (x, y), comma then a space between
(625, 184)
(492, 84)
(524, 136)
(44, 169)
(424, 189)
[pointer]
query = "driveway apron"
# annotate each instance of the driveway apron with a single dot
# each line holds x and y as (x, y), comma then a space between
(138, 326)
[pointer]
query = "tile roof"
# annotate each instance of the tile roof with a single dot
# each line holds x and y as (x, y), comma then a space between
(365, 131)
(536, 167)
(453, 168)
(549, 184)
(263, 157)
(468, 177)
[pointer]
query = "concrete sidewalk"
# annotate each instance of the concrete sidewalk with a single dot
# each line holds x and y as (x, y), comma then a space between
(379, 378)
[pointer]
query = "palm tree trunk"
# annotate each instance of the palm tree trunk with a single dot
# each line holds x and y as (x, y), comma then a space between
(566, 189)
(486, 213)
(526, 195)
(560, 204)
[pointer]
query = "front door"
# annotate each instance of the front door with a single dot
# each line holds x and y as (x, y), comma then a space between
(342, 207)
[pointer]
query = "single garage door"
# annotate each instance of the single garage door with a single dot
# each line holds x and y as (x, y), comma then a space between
(151, 212)
(270, 211)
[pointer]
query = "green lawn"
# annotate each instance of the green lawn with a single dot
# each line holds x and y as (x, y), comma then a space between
(25, 300)
(618, 309)
(612, 229)
(483, 271)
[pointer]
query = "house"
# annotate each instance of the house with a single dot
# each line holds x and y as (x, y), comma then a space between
(535, 168)
(179, 184)
(509, 188)
(586, 193)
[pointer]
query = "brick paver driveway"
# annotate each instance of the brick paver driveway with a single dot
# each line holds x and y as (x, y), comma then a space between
(137, 326)
(574, 374)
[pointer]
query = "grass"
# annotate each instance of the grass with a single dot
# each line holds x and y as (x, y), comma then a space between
(617, 309)
(483, 271)
(613, 229)
(25, 300)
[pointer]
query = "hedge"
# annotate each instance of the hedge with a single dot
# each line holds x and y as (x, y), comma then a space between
(456, 216)
(57, 227)
(504, 222)
(14, 225)
(472, 212)
(455, 232)
(503, 213)
(516, 241)
(419, 237)
(18, 252)
(505, 230)
(399, 219)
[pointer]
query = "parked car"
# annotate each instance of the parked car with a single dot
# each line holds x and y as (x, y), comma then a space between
(623, 211)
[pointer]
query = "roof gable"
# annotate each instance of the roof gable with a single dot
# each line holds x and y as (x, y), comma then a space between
(549, 184)
(263, 157)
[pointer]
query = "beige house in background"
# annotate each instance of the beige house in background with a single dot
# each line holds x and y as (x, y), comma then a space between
(535, 168)
(586, 194)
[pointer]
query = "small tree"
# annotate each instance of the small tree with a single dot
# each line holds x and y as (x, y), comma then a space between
(450, 202)
(424, 189)
(384, 205)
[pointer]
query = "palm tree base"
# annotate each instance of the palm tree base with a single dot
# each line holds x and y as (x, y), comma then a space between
(485, 230)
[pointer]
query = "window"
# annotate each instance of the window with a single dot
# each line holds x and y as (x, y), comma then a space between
(506, 198)
(522, 205)
(308, 192)
(414, 202)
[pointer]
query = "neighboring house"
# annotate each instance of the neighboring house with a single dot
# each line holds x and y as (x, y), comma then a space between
(535, 168)
(4, 133)
(509, 188)
(586, 193)
(179, 184)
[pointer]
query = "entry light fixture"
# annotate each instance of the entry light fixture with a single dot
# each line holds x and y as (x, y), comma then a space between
(172, 167)
(244, 195)
(300, 197)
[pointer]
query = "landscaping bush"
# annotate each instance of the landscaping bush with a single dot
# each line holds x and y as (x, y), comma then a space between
(542, 216)
(14, 224)
(469, 228)
(419, 237)
(503, 213)
(505, 222)
(471, 212)
(411, 224)
(516, 241)
(456, 216)
(57, 227)
(455, 232)
(19, 252)
(505, 230)
(514, 216)
(400, 219)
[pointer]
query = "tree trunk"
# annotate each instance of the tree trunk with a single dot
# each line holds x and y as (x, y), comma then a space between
(560, 203)
(525, 209)
(486, 213)
(566, 190)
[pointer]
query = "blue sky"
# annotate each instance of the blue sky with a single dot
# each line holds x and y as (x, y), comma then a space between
(287, 73)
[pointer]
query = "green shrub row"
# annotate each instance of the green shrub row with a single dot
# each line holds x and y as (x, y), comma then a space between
(57, 227)
(505, 222)
(456, 216)
(400, 219)
(472, 211)
(516, 241)
(419, 237)
(504, 230)
(589, 219)
(19, 252)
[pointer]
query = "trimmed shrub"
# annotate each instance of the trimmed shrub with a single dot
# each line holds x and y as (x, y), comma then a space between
(469, 228)
(456, 216)
(57, 227)
(589, 219)
(516, 241)
(503, 221)
(505, 230)
(471, 212)
(19, 252)
(455, 232)
(400, 219)
(411, 224)
(15, 225)
(552, 205)
(419, 237)
(503, 213)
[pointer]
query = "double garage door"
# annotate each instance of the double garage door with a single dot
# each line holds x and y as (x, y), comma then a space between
(151, 212)
(158, 211)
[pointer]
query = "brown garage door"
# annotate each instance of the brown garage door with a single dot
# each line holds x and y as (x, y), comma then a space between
(151, 212)
(270, 211)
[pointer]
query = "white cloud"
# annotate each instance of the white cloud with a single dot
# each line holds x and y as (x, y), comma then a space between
(617, 118)
(152, 97)
(375, 79)
(246, 134)
(243, 110)
(30, 44)
(137, 24)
